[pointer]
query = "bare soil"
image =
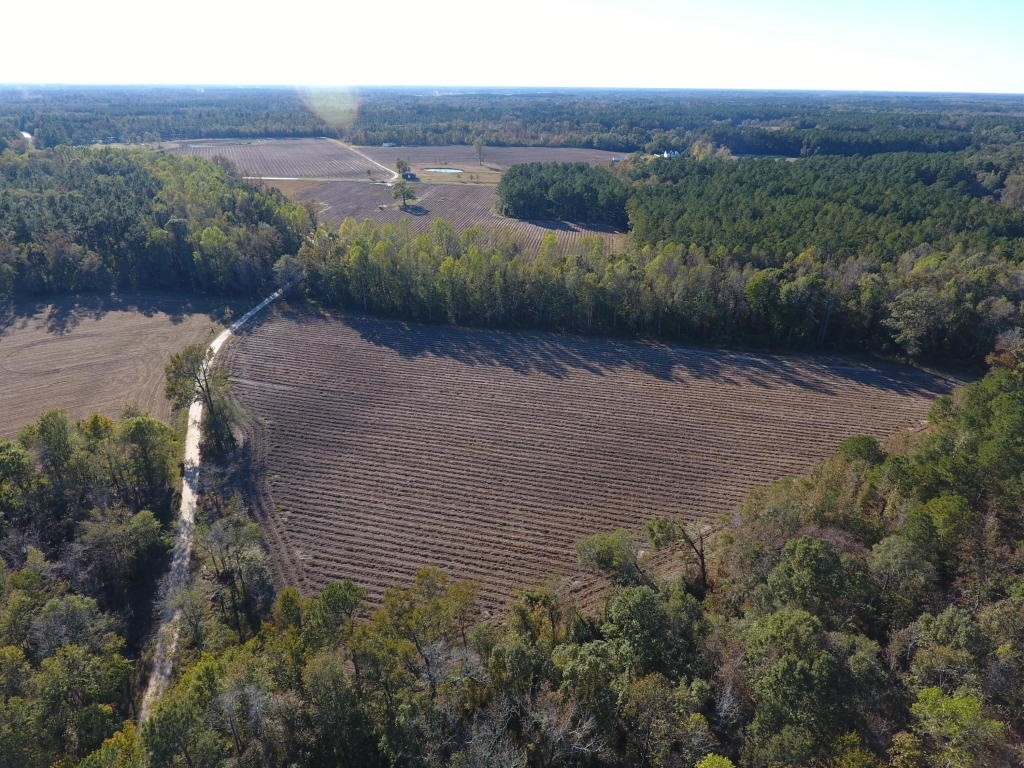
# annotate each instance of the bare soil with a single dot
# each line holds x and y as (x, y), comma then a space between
(390, 446)
(462, 206)
(285, 158)
(498, 158)
(89, 355)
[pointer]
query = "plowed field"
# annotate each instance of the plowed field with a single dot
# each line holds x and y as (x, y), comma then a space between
(285, 158)
(464, 156)
(388, 447)
(93, 356)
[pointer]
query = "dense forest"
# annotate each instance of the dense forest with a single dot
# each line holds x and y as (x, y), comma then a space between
(945, 305)
(85, 513)
(917, 253)
(869, 614)
(563, 192)
(876, 208)
(102, 220)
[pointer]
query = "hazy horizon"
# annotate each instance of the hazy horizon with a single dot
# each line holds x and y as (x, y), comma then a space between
(901, 46)
(500, 88)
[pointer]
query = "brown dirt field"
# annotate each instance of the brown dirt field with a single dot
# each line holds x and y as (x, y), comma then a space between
(498, 158)
(389, 446)
(462, 206)
(285, 158)
(330, 159)
(90, 355)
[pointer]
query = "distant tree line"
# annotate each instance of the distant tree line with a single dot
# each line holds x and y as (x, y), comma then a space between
(57, 115)
(788, 124)
(876, 207)
(908, 252)
(747, 123)
(94, 220)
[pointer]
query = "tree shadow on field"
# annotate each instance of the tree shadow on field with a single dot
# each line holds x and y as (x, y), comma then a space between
(62, 314)
(561, 355)
(569, 226)
(555, 226)
(415, 210)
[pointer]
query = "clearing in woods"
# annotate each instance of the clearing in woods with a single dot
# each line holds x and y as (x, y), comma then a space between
(344, 182)
(89, 355)
(461, 206)
(387, 446)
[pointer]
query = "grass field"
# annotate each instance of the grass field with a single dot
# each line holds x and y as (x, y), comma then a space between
(88, 355)
(388, 447)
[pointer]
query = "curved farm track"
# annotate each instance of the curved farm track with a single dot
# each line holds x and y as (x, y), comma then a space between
(389, 447)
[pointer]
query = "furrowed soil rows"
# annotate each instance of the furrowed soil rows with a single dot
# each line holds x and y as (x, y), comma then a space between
(93, 357)
(286, 158)
(389, 447)
(501, 158)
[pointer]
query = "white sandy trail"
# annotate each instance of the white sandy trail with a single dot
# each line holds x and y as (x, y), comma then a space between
(177, 577)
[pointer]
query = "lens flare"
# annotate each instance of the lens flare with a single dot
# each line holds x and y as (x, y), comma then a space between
(338, 107)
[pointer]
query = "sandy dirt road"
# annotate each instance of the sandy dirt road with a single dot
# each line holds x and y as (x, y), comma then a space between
(177, 577)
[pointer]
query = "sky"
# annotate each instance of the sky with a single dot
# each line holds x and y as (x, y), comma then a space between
(898, 45)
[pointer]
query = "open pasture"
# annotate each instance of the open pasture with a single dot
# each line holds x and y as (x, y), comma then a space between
(389, 446)
(90, 355)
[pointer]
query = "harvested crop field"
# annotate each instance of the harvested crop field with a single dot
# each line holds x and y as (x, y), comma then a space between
(90, 355)
(501, 158)
(286, 158)
(388, 447)
(330, 159)
(462, 206)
